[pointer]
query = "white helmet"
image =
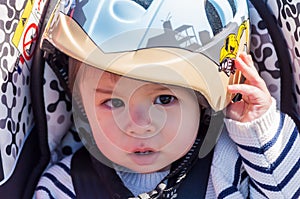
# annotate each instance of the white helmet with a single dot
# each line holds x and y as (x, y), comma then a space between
(196, 39)
(185, 43)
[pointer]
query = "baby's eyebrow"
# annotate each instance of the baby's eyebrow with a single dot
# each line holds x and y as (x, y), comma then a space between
(152, 90)
(162, 89)
(103, 90)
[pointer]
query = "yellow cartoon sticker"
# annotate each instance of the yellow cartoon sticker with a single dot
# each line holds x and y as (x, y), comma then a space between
(21, 25)
(231, 48)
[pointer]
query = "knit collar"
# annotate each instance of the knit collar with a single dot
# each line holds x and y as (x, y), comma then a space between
(139, 183)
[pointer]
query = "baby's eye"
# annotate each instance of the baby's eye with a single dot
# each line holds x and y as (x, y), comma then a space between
(164, 99)
(114, 103)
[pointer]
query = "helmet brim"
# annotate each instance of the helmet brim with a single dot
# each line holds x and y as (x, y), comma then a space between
(165, 65)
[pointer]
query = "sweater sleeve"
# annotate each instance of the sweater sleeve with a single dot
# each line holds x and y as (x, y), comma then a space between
(56, 182)
(270, 150)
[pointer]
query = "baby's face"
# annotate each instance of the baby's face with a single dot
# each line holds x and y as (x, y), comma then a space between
(140, 125)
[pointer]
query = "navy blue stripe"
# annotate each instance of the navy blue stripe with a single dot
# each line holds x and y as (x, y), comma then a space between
(232, 189)
(45, 189)
(284, 182)
(284, 153)
(244, 176)
(64, 167)
(59, 185)
(227, 192)
(237, 171)
(297, 194)
(256, 187)
(269, 144)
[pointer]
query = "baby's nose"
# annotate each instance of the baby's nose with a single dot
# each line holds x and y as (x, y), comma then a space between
(143, 121)
(140, 122)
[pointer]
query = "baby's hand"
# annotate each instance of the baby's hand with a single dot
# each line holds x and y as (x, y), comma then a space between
(256, 99)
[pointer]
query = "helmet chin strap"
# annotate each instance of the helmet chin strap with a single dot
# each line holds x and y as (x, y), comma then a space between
(167, 188)
(58, 61)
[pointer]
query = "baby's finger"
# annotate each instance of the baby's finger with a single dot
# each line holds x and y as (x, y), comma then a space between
(247, 59)
(249, 92)
(245, 65)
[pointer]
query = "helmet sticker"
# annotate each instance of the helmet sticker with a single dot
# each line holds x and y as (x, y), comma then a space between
(231, 48)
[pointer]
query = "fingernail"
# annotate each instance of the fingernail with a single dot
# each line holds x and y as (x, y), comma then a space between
(237, 97)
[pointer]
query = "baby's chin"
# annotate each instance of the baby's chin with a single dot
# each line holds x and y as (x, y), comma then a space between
(130, 168)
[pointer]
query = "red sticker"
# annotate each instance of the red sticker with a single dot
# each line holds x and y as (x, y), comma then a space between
(29, 41)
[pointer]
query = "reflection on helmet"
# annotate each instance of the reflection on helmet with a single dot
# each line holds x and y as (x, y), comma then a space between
(190, 35)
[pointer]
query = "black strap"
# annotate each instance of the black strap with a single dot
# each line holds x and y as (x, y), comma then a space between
(93, 180)
(85, 180)
(100, 181)
(287, 104)
(195, 184)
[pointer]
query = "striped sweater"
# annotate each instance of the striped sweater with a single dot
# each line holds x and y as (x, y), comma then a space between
(258, 159)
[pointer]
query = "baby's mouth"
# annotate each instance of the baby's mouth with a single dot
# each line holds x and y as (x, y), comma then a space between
(144, 156)
(144, 152)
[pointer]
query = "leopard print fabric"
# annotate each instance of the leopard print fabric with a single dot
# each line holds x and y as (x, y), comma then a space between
(264, 55)
(287, 14)
(16, 118)
(63, 140)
